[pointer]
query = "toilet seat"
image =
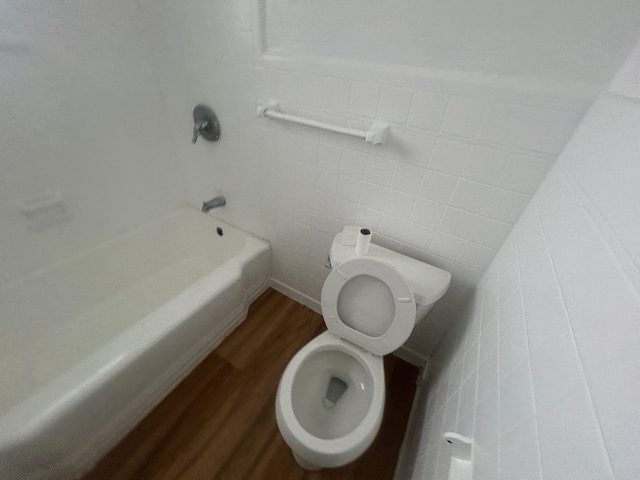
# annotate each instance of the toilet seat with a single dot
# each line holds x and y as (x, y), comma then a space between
(368, 303)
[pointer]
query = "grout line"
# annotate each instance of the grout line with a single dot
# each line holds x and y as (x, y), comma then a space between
(533, 390)
(573, 336)
(597, 220)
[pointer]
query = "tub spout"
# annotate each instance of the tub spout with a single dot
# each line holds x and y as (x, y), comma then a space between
(215, 202)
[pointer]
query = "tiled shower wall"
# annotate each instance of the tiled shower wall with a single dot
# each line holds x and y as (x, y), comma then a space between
(82, 119)
(464, 154)
(543, 371)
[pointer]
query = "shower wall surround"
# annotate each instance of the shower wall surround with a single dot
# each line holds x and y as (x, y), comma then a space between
(465, 152)
(82, 118)
(543, 370)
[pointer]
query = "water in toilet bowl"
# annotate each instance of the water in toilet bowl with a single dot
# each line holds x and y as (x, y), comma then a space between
(335, 390)
(331, 394)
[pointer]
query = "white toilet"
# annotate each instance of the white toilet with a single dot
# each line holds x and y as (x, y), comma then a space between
(331, 396)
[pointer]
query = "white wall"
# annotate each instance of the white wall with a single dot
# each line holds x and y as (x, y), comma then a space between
(543, 371)
(465, 153)
(576, 40)
(81, 115)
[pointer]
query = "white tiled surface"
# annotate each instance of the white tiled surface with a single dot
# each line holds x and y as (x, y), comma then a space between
(439, 173)
(82, 115)
(557, 320)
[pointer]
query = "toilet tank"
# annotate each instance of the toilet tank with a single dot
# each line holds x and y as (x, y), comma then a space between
(427, 282)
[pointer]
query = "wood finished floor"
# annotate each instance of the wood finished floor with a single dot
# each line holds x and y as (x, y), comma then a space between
(219, 423)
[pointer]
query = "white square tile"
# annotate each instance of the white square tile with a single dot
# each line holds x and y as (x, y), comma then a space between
(427, 213)
(464, 116)
(488, 232)
(520, 453)
(522, 173)
(305, 175)
(407, 178)
(457, 222)
(485, 165)
(437, 186)
(379, 170)
(548, 130)
(504, 124)
(303, 214)
(418, 236)
(354, 163)
(349, 188)
(325, 203)
(485, 466)
(570, 442)
(427, 110)
(417, 147)
(555, 367)
(488, 373)
(373, 196)
(364, 99)
(471, 359)
(346, 211)
(445, 245)
(329, 157)
(505, 206)
(321, 239)
(335, 94)
(321, 222)
(449, 156)
(327, 181)
(394, 104)
(516, 399)
(310, 89)
(368, 218)
(470, 195)
(615, 389)
(302, 233)
(399, 204)
(468, 397)
(476, 256)
(513, 349)
(391, 227)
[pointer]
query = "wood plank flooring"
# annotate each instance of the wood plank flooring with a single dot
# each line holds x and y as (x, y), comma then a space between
(219, 423)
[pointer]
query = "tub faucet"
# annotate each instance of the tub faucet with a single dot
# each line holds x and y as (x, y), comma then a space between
(215, 202)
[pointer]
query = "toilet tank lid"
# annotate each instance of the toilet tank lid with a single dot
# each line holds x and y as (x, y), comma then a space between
(428, 283)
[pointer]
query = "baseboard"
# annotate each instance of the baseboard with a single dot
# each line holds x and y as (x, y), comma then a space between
(296, 295)
(410, 356)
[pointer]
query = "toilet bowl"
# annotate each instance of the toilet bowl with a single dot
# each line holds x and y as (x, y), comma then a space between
(322, 435)
(330, 398)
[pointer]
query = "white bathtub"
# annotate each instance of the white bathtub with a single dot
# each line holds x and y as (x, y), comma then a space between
(89, 346)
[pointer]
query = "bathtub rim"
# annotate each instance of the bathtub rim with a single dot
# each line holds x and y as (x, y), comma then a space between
(33, 415)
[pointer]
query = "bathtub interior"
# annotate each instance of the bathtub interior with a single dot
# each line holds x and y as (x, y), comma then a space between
(60, 315)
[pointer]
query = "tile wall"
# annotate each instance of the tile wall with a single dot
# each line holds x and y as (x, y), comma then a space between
(82, 119)
(542, 373)
(447, 188)
(464, 154)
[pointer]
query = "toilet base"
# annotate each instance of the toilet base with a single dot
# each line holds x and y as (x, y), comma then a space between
(304, 464)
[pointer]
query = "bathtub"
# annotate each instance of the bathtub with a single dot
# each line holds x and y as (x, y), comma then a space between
(91, 345)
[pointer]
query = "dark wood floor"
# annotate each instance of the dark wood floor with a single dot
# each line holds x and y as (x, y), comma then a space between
(219, 423)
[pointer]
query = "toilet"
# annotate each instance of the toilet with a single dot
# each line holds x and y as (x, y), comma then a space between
(330, 398)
